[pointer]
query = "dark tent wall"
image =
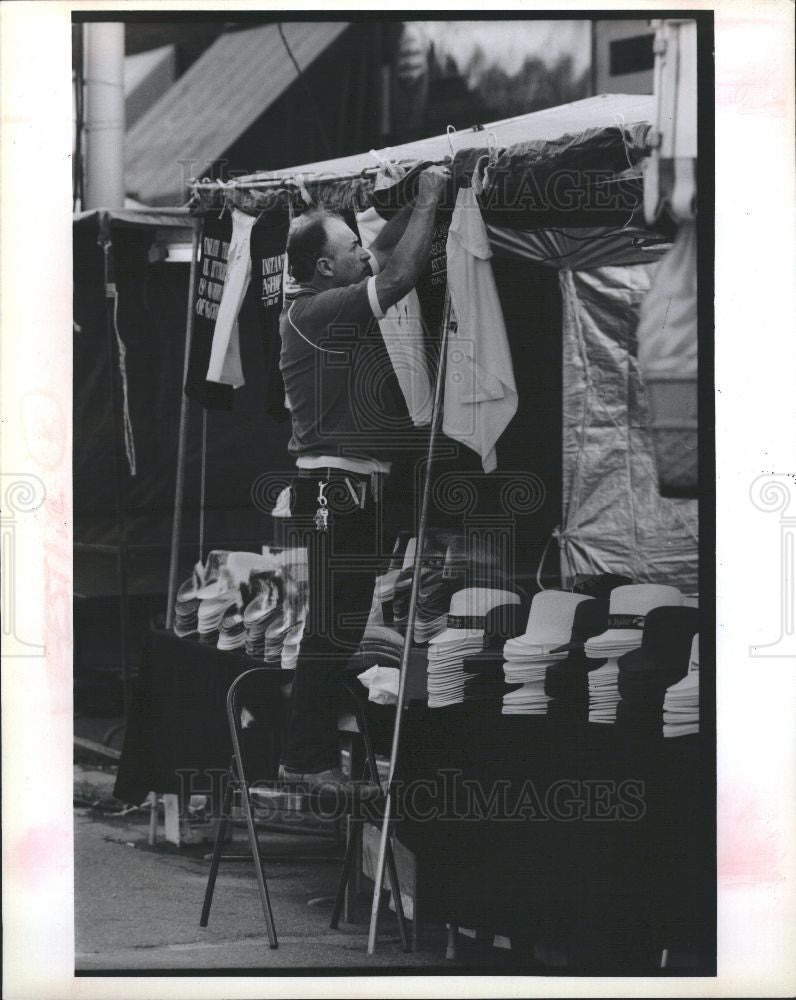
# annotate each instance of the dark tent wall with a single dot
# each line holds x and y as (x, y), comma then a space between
(241, 444)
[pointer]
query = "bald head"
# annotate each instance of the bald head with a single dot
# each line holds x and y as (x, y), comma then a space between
(322, 249)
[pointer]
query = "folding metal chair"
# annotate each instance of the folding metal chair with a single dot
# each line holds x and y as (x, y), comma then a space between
(245, 691)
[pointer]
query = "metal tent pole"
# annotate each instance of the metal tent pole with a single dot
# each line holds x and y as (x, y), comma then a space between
(436, 421)
(181, 446)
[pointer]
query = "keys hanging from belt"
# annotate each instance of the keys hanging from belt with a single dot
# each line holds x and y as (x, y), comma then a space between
(322, 513)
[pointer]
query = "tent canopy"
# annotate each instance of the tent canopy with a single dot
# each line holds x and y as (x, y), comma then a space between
(102, 220)
(606, 133)
(566, 119)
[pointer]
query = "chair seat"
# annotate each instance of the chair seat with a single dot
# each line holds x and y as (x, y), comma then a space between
(347, 723)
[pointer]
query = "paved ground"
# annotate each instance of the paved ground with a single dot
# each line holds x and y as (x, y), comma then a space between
(137, 907)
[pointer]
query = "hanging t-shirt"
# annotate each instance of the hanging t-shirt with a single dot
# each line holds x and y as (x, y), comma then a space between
(266, 290)
(211, 271)
(224, 365)
(431, 284)
(480, 392)
(433, 281)
(402, 330)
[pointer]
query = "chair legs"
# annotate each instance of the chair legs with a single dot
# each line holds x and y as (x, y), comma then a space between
(392, 874)
(255, 851)
(217, 849)
(258, 867)
(348, 873)
(237, 780)
(354, 840)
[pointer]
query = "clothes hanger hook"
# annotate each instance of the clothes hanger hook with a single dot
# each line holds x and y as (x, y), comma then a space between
(451, 133)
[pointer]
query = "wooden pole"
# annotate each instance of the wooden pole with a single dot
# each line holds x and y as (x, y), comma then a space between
(181, 446)
(436, 420)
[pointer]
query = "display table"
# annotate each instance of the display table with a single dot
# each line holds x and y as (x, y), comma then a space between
(177, 730)
(589, 840)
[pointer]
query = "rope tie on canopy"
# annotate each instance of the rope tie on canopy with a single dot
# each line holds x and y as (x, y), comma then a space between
(620, 122)
(111, 292)
(558, 535)
(482, 180)
(305, 195)
(129, 439)
(385, 163)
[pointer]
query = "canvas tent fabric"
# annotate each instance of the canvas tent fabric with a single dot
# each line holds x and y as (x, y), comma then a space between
(538, 126)
(668, 352)
(614, 518)
(618, 123)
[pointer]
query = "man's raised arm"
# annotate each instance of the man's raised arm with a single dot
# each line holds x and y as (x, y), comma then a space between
(388, 237)
(410, 255)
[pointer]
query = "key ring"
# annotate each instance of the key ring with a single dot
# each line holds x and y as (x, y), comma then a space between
(321, 518)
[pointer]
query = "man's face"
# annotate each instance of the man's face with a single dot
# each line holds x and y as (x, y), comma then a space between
(346, 260)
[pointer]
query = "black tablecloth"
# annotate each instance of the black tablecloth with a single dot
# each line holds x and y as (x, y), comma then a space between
(611, 890)
(585, 837)
(178, 722)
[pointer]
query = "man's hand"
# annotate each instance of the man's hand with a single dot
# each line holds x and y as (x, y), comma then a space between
(431, 184)
(409, 258)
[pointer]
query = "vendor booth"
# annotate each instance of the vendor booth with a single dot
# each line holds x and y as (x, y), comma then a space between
(554, 261)
(572, 261)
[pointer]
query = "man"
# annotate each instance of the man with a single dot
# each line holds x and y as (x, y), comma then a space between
(349, 423)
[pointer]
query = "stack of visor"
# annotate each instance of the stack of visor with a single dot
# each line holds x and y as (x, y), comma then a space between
(291, 642)
(681, 702)
(211, 613)
(464, 634)
(283, 638)
(627, 611)
(257, 616)
(566, 682)
(232, 631)
(660, 661)
(226, 575)
(381, 640)
(274, 638)
(293, 573)
(190, 595)
(430, 574)
(384, 591)
(438, 584)
(528, 657)
(186, 605)
(485, 681)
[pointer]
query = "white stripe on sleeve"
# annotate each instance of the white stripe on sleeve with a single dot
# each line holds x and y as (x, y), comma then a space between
(373, 299)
